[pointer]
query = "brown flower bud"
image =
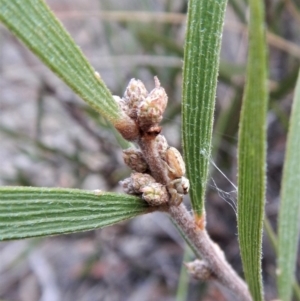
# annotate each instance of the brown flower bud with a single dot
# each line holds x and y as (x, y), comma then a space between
(127, 127)
(140, 180)
(151, 109)
(155, 194)
(134, 159)
(136, 183)
(175, 163)
(135, 93)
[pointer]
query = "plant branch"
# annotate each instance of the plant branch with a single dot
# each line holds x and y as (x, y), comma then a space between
(150, 152)
(157, 169)
(210, 252)
(197, 236)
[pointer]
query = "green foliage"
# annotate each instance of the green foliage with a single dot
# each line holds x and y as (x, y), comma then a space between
(33, 23)
(29, 212)
(252, 154)
(200, 71)
(289, 214)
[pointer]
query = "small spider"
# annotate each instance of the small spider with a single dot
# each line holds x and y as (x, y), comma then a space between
(179, 185)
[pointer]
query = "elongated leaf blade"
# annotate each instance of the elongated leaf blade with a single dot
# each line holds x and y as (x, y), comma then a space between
(30, 212)
(33, 23)
(252, 154)
(201, 63)
(289, 214)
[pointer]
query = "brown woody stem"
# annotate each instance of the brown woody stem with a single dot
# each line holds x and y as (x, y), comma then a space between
(158, 170)
(210, 252)
(205, 248)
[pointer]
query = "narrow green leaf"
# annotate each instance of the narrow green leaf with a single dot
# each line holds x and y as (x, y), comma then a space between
(289, 213)
(33, 23)
(29, 211)
(274, 243)
(183, 281)
(201, 63)
(252, 153)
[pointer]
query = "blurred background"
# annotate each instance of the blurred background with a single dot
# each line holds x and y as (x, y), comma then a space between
(49, 137)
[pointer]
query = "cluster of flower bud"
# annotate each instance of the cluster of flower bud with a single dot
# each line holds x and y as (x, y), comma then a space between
(141, 181)
(146, 109)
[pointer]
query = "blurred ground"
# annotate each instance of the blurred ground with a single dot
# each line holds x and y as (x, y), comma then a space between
(49, 137)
